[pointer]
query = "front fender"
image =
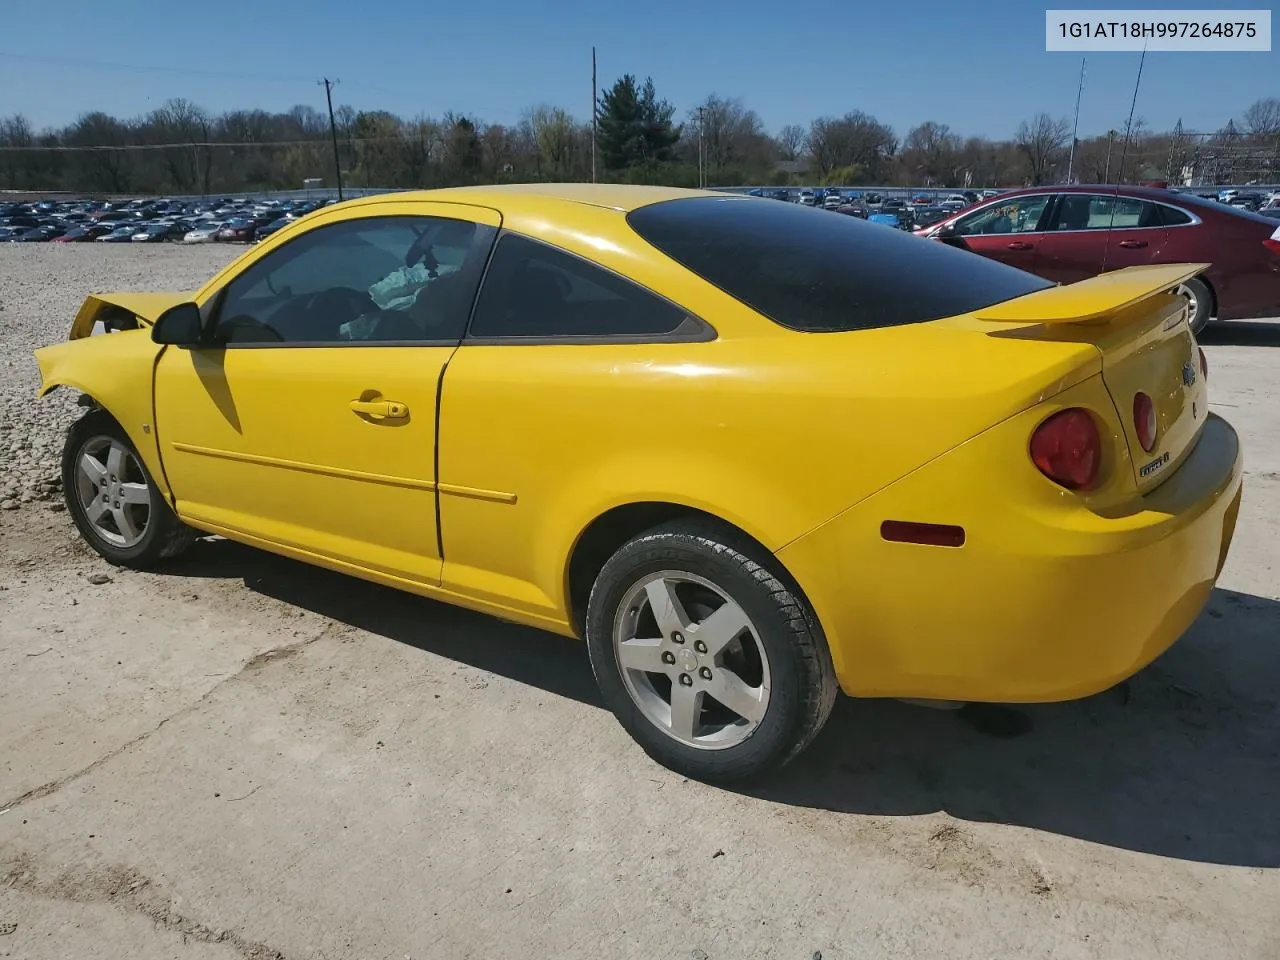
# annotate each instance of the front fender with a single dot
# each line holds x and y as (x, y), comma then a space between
(123, 311)
(117, 371)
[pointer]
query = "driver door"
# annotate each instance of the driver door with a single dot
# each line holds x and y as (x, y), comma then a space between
(1010, 231)
(309, 422)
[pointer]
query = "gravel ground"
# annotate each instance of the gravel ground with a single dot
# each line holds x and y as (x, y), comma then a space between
(243, 757)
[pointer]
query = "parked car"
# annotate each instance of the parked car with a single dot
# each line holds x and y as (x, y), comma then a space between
(927, 216)
(268, 229)
(832, 200)
(887, 219)
(808, 198)
(160, 232)
(122, 234)
(1069, 233)
(84, 233)
(854, 208)
(41, 234)
(240, 229)
(204, 233)
(721, 609)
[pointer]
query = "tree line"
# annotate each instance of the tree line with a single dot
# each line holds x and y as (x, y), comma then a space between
(182, 148)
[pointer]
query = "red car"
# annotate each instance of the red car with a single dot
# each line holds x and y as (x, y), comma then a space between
(1069, 233)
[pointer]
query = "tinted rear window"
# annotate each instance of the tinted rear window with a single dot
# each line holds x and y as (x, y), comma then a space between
(1216, 206)
(817, 271)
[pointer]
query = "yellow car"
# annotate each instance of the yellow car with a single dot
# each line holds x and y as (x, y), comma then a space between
(750, 452)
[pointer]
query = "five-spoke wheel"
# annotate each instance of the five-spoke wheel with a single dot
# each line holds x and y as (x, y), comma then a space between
(112, 498)
(706, 654)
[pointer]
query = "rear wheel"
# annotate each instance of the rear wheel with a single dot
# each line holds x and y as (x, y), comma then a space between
(1200, 301)
(112, 498)
(715, 666)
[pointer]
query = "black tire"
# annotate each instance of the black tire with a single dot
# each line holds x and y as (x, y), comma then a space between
(164, 536)
(803, 682)
(1203, 298)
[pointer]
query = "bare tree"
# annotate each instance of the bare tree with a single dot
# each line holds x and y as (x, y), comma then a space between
(732, 134)
(791, 141)
(931, 151)
(1042, 141)
(1262, 119)
(857, 142)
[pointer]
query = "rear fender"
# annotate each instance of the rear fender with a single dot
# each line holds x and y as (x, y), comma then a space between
(117, 372)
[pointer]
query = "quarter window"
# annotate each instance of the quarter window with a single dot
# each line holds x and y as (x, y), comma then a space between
(377, 279)
(534, 290)
(1172, 216)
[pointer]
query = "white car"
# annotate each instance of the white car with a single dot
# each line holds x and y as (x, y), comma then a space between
(202, 234)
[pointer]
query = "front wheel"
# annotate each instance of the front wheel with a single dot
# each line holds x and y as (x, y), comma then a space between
(112, 498)
(713, 665)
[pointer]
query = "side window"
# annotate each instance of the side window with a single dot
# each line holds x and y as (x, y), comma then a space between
(1171, 216)
(534, 290)
(1080, 211)
(377, 279)
(1013, 216)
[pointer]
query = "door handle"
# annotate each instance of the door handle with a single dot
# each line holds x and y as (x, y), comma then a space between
(1020, 245)
(381, 409)
(1132, 244)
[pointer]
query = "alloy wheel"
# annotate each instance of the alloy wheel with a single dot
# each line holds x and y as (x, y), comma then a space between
(691, 660)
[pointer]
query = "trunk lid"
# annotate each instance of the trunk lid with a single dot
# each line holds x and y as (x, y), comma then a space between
(1139, 325)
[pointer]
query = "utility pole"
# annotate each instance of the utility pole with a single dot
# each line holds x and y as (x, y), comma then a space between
(594, 88)
(1071, 160)
(1128, 127)
(333, 131)
(702, 182)
(1111, 139)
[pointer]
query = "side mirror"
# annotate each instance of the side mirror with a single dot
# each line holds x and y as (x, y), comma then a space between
(945, 232)
(179, 326)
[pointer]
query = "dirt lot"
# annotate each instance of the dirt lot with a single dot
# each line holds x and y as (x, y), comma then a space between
(246, 757)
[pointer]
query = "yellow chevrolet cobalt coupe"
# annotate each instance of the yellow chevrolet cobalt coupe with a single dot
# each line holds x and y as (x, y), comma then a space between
(752, 453)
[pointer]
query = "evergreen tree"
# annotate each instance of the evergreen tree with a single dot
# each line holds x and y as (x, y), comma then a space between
(635, 127)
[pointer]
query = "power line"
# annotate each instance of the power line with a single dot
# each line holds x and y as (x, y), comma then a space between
(186, 71)
(188, 144)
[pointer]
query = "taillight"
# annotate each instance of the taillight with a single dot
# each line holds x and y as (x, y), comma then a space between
(1066, 448)
(1144, 421)
(1272, 242)
(1204, 365)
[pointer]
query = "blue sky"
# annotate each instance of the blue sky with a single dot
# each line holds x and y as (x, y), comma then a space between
(980, 67)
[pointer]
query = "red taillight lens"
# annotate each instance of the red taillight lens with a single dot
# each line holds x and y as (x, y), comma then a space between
(1204, 364)
(1066, 448)
(1273, 244)
(1144, 420)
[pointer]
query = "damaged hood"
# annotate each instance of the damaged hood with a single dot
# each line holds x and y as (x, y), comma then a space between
(124, 310)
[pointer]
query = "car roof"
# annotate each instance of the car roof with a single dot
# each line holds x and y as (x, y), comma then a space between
(1130, 189)
(611, 196)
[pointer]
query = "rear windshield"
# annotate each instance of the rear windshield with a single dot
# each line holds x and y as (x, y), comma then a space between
(1217, 206)
(820, 272)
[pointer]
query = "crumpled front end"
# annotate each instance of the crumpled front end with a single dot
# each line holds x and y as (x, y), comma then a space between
(109, 312)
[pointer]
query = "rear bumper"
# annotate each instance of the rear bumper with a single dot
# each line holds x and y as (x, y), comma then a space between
(1046, 600)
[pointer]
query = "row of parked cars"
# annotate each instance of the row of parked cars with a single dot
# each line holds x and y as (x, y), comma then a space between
(911, 212)
(226, 219)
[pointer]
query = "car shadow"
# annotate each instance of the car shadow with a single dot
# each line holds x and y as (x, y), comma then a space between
(1241, 333)
(1182, 761)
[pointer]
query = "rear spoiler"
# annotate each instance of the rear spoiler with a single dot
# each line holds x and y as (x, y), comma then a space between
(1092, 299)
(139, 309)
